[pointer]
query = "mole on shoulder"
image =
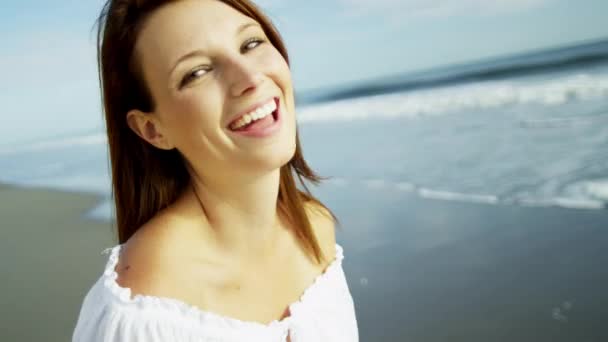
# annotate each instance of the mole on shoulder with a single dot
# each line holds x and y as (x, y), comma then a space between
(233, 287)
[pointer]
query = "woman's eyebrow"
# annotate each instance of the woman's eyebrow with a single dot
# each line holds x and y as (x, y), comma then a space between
(193, 53)
(244, 26)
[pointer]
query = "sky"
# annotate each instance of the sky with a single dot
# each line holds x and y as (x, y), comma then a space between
(50, 87)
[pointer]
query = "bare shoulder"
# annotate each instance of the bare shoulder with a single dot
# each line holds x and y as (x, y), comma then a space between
(324, 227)
(147, 263)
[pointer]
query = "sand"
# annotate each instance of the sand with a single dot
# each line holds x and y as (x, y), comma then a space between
(50, 257)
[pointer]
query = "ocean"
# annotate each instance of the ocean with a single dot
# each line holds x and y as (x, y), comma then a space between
(472, 198)
(527, 130)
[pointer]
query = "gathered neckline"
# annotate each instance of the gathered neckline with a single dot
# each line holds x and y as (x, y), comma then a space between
(190, 310)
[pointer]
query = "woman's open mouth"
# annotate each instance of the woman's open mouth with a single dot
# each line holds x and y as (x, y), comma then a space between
(263, 122)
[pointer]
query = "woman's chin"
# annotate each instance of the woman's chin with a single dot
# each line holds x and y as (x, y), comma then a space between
(276, 159)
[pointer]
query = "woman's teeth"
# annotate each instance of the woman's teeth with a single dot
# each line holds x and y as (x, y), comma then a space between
(257, 114)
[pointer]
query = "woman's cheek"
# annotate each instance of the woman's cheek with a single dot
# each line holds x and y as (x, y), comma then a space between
(183, 118)
(270, 59)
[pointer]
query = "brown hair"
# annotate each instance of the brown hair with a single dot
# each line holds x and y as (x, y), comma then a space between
(146, 179)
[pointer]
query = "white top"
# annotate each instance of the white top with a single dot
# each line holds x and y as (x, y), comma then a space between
(324, 312)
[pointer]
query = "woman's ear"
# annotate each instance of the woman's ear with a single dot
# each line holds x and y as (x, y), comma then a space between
(148, 127)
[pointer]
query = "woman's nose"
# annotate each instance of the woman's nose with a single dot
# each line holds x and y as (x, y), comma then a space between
(243, 77)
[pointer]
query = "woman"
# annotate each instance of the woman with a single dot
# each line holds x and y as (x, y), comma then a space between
(216, 241)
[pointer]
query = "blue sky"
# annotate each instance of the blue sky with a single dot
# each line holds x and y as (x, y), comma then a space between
(47, 54)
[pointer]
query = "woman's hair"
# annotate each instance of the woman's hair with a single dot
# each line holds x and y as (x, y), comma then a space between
(146, 179)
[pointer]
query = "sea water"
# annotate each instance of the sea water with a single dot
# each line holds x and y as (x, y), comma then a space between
(538, 138)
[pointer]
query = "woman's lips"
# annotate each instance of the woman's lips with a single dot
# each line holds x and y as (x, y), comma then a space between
(261, 131)
(251, 110)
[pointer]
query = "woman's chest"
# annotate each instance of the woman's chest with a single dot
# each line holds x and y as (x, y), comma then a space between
(260, 293)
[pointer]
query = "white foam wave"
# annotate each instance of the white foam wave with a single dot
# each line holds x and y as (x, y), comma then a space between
(454, 196)
(52, 168)
(404, 186)
(567, 121)
(338, 181)
(438, 101)
(375, 183)
(46, 145)
(597, 189)
(102, 211)
(596, 198)
(572, 203)
(76, 183)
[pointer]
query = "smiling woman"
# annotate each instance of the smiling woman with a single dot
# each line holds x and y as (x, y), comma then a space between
(216, 240)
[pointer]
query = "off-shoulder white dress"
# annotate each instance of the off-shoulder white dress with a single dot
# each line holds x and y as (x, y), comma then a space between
(324, 312)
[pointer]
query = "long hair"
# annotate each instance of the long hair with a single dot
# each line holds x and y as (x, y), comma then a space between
(146, 179)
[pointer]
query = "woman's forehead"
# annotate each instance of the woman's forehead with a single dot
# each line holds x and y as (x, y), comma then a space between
(177, 28)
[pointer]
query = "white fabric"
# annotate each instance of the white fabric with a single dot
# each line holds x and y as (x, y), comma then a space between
(324, 312)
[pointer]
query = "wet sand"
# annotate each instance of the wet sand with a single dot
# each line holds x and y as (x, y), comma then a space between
(429, 270)
(50, 257)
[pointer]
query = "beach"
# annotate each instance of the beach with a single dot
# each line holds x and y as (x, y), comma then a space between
(51, 256)
(418, 269)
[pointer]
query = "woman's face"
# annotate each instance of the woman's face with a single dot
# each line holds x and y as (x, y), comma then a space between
(205, 63)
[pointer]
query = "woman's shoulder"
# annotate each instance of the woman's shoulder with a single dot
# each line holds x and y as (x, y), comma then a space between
(149, 262)
(112, 311)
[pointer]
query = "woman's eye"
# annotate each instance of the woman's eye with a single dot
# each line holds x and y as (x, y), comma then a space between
(193, 75)
(251, 43)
